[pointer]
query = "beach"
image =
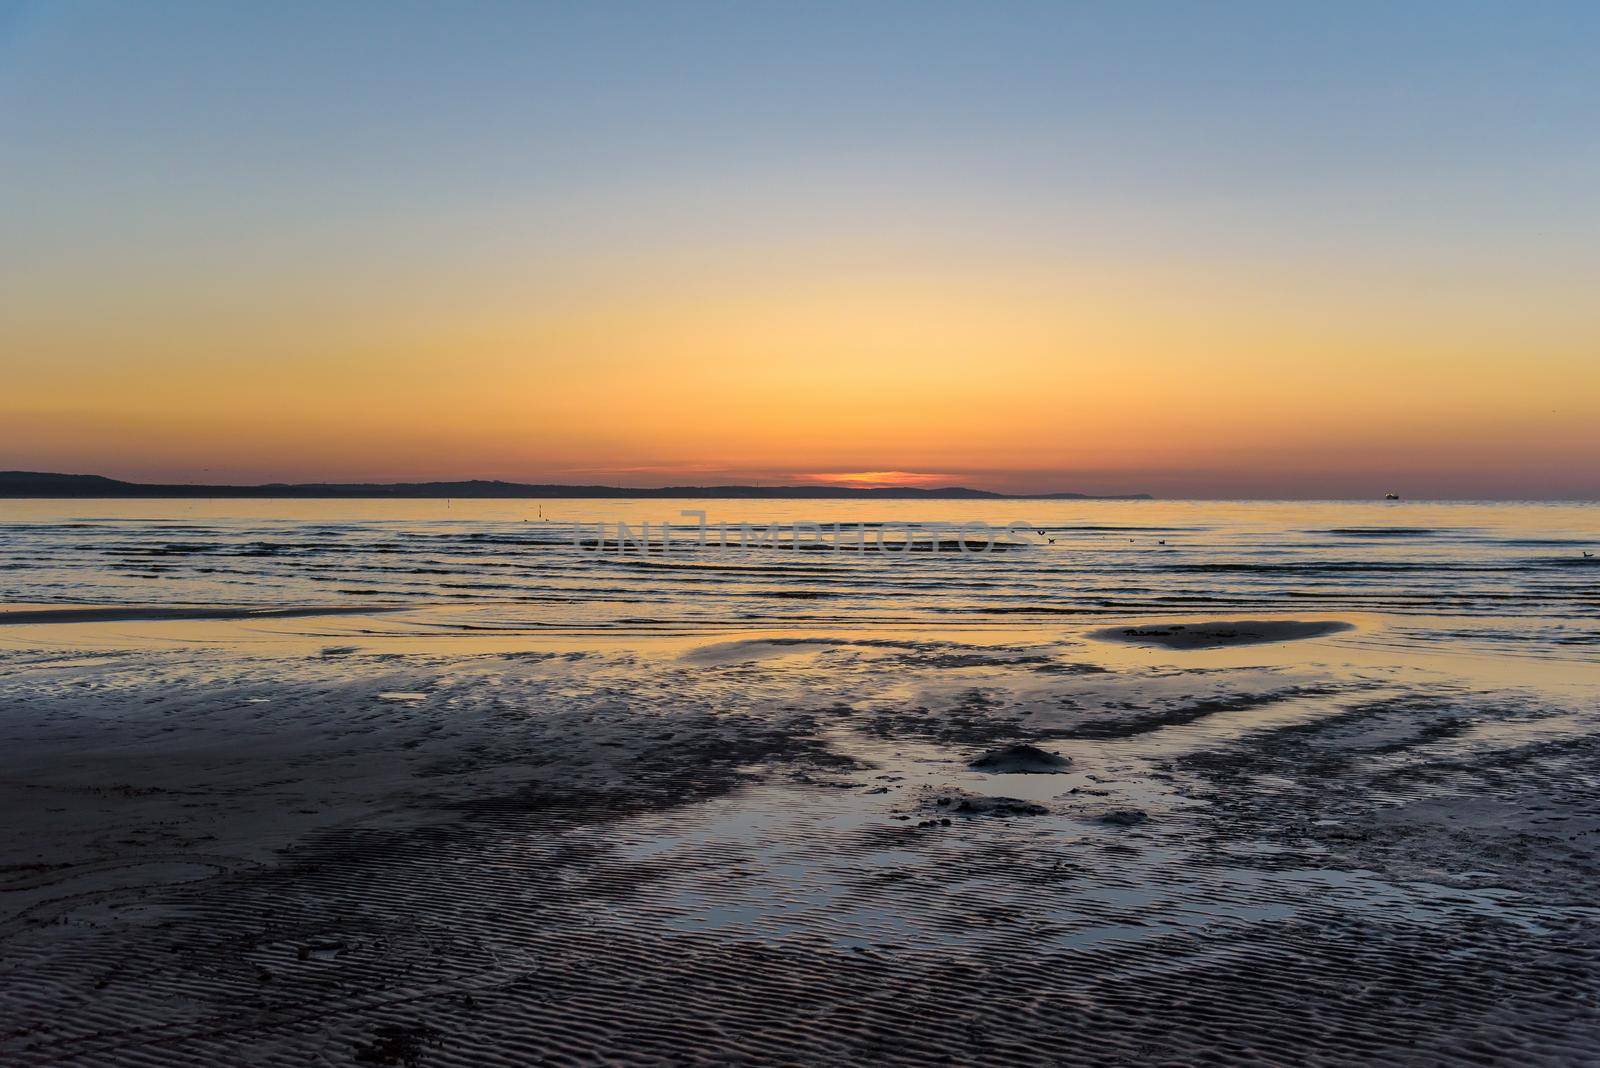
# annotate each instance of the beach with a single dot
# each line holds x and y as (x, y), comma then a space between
(709, 535)
(1019, 809)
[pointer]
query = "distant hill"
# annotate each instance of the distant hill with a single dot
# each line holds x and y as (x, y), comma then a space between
(44, 484)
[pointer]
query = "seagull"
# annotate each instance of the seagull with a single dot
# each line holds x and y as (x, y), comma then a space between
(1161, 541)
(1053, 541)
(1041, 533)
(1588, 555)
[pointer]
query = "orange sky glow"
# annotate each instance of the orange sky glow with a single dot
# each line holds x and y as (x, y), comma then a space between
(1056, 255)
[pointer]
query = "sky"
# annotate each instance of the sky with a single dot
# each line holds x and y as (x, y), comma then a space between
(1190, 249)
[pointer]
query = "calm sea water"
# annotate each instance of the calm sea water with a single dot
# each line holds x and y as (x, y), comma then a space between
(1511, 574)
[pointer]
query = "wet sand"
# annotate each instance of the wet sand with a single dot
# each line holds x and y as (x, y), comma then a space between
(228, 844)
(1222, 633)
(131, 613)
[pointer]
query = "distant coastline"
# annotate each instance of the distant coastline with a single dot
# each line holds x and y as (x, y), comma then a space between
(16, 484)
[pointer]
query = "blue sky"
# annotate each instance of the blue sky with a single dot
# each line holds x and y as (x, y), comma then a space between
(177, 178)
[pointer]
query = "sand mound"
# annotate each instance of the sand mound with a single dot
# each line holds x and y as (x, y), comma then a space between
(977, 805)
(1021, 760)
(1222, 633)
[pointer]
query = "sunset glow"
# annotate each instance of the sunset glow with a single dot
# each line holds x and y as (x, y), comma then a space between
(468, 248)
(878, 479)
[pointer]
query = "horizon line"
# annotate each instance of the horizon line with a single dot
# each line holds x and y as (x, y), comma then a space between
(49, 485)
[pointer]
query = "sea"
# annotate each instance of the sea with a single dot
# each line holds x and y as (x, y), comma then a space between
(1513, 577)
